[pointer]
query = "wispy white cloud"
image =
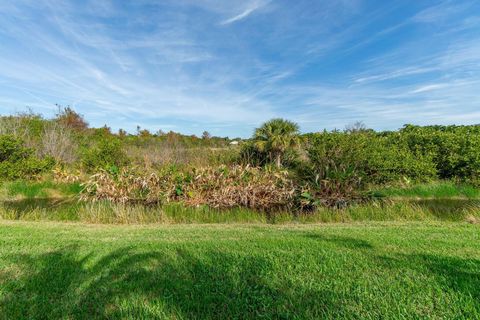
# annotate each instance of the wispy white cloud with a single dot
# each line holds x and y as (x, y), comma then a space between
(251, 8)
(404, 72)
(170, 64)
(429, 87)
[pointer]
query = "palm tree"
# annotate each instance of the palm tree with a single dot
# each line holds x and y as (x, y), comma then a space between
(275, 137)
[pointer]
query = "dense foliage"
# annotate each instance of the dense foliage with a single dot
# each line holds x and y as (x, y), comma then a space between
(455, 149)
(358, 158)
(17, 161)
(105, 154)
(324, 168)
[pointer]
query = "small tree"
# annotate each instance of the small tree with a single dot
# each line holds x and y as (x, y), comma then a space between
(276, 137)
(122, 133)
(357, 126)
(58, 142)
(144, 133)
(206, 135)
(70, 119)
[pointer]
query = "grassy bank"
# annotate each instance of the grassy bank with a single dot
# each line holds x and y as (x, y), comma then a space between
(412, 270)
(35, 201)
(174, 213)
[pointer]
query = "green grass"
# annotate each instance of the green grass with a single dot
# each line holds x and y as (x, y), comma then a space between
(58, 202)
(43, 189)
(69, 209)
(348, 271)
(443, 189)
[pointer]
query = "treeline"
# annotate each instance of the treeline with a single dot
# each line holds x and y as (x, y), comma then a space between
(68, 141)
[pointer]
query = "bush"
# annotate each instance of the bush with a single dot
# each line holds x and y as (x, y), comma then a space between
(368, 156)
(27, 126)
(389, 159)
(69, 118)
(252, 155)
(106, 154)
(455, 150)
(19, 162)
(341, 164)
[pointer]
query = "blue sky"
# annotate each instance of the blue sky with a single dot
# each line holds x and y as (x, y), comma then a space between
(227, 66)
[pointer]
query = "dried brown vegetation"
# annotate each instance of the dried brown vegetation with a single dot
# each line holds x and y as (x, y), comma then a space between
(221, 187)
(61, 175)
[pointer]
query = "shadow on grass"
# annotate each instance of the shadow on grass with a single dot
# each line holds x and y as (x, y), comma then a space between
(347, 242)
(455, 274)
(39, 203)
(180, 284)
(459, 275)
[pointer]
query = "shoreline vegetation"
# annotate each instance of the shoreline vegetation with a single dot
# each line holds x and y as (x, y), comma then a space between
(62, 169)
(441, 201)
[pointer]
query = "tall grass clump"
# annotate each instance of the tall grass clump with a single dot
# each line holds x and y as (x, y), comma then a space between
(172, 213)
(388, 210)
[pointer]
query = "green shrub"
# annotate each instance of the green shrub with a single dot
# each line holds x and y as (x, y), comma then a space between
(367, 156)
(17, 161)
(341, 164)
(389, 159)
(12, 149)
(455, 150)
(250, 154)
(106, 154)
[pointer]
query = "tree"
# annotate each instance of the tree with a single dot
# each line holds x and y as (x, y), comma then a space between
(357, 126)
(276, 137)
(144, 133)
(58, 142)
(122, 133)
(206, 135)
(71, 119)
(107, 153)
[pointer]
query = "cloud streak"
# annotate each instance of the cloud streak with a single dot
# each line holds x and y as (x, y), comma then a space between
(251, 8)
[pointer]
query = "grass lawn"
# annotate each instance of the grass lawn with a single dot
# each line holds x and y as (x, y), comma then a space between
(52, 270)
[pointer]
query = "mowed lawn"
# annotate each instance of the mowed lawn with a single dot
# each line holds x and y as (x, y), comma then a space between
(368, 271)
